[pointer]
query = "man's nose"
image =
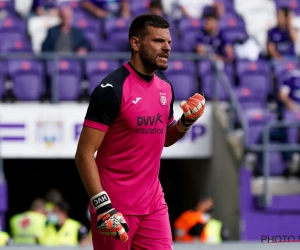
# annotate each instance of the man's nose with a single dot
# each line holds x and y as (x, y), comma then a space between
(167, 47)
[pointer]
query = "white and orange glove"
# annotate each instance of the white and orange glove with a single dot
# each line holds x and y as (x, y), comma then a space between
(109, 221)
(192, 110)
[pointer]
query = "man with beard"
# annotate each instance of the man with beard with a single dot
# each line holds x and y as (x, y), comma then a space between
(128, 122)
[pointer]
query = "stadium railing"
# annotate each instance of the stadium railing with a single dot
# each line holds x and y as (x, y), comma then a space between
(266, 147)
(235, 112)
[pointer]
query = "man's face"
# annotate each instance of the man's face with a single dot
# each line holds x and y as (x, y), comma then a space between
(155, 48)
(66, 16)
(210, 24)
(282, 19)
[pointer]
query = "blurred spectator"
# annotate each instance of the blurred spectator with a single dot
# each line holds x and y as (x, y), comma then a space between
(211, 40)
(5, 239)
(194, 8)
(106, 8)
(29, 227)
(61, 230)
(52, 197)
(156, 8)
(197, 225)
(282, 38)
(65, 38)
(289, 93)
(190, 224)
(44, 15)
(45, 7)
(214, 231)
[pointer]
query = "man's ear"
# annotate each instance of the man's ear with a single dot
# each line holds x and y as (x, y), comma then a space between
(135, 43)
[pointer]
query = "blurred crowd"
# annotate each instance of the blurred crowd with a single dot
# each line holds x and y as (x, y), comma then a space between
(51, 26)
(46, 223)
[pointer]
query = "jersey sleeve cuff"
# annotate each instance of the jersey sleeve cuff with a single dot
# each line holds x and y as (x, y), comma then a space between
(95, 125)
(171, 120)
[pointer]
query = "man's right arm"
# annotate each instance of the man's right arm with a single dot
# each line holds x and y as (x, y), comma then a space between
(89, 142)
(103, 107)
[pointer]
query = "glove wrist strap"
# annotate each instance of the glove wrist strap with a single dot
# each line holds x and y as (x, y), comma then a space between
(181, 128)
(101, 202)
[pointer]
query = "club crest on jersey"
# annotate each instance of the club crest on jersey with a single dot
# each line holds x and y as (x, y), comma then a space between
(163, 99)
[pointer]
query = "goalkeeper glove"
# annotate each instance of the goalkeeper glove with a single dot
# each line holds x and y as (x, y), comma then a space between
(192, 109)
(109, 220)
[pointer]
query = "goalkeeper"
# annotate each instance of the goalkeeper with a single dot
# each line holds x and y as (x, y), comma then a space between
(128, 121)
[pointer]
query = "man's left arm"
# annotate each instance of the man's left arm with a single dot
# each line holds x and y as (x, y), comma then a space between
(192, 109)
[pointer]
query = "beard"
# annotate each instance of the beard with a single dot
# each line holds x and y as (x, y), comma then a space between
(150, 61)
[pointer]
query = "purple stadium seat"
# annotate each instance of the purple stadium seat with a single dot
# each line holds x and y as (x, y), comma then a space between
(291, 116)
(205, 71)
(91, 28)
(280, 67)
(68, 78)
(189, 29)
(27, 77)
(249, 99)
(96, 70)
(13, 23)
(257, 118)
(139, 7)
(74, 4)
(292, 4)
(7, 5)
(14, 42)
(116, 30)
(182, 76)
(3, 73)
(231, 20)
(255, 76)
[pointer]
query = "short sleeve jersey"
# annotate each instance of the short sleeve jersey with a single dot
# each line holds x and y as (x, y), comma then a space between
(282, 40)
(135, 114)
(217, 42)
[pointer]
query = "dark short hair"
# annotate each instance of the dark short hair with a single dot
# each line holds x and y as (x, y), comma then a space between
(156, 4)
(286, 10)
(210, 12)
(139, 26)
(63, 206)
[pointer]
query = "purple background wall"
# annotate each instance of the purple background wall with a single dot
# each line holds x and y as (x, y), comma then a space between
(281, 218)
(3, 204)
